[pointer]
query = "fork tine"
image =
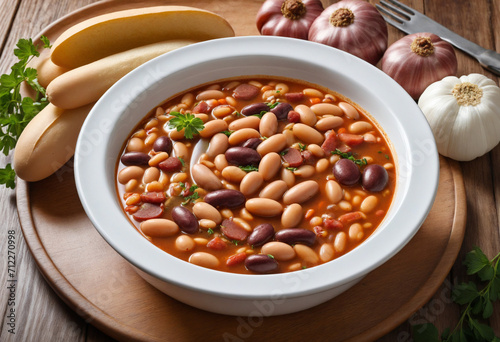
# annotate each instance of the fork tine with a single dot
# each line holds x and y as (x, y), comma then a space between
(410, 10)
(393, 19)
(395, 10)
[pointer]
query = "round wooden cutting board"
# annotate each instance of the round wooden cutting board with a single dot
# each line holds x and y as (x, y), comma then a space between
(100, 285)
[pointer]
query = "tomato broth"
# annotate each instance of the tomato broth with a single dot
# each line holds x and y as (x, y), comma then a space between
(279, 175)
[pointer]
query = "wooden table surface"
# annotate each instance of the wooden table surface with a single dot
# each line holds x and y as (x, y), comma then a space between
(42, 316)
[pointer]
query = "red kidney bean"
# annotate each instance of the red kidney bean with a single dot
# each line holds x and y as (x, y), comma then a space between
(292, 236)
(293, 157)
(281, 110)
(225, 198)
(185, 219)
(351, 139)
(242, 156)
(135, 158)
(252, 143)
(346, 172)
(171, 164)
(255, 108)
(330, 143)
(153, 197)
(293, 116)
(374, 178)
(148, 211)
(261, 263)
(294, 97)
(163, 144)
(233, 231)
(261, 234)
(245, 92)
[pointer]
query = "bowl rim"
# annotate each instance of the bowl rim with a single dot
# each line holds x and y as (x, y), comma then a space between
(422, 177)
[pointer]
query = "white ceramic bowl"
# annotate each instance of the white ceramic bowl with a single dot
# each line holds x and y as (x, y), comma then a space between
(129, 100)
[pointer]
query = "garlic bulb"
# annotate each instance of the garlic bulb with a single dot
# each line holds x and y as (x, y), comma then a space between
(464, 115)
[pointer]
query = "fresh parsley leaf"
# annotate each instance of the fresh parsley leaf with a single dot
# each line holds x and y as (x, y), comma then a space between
(17, 111)
(249, 168)
(261, 114)
(425, 333)
(192, 194)
(46, 42)
(228, 132)
(350, 156)
(475, 261)
(272, 105)
(291, 168)
(302, 147)
(210, 231)
(190, 123)
(8, 177)
(183, 163)
(477, 302)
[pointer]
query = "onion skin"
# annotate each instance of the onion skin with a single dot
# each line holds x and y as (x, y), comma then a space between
(414, 72)
(272, 22)
(365, 38)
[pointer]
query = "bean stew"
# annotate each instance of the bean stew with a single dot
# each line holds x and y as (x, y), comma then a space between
(257, 175)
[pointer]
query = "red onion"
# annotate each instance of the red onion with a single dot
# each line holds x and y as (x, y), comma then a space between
(417, 60)
(288, 18)
(354, 26)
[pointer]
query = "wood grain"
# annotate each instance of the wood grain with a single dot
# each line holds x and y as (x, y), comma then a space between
(42, 316)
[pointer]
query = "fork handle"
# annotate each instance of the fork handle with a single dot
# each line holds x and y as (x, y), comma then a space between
(487, 58)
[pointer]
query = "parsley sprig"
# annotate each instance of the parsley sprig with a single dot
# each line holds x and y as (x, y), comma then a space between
(192, 194)
(477, 304)
(17, 111)
(190, 123)
(350, 156)
(249, 168)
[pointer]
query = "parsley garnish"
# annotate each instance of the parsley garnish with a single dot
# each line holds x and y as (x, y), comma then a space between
(210, 231)
(477, 304)
(228, 132)
(302, 147)
(272, 105)
(291, 168)
(349, 155)
(261, 114)
(182, 161)
(17, 111)
(190, 123)
(193, 194)
(249, 168)
(271, 256)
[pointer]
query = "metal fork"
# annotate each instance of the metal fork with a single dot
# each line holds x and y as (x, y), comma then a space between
(410, 21)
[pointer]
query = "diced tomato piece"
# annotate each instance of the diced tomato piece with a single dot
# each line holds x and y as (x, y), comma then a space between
(319, 231)
(330, 143)
(153, 197)
(236, 259)
(333, 224)
(293, 116)
(350, 217)
(216, 243)
(351, 139)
